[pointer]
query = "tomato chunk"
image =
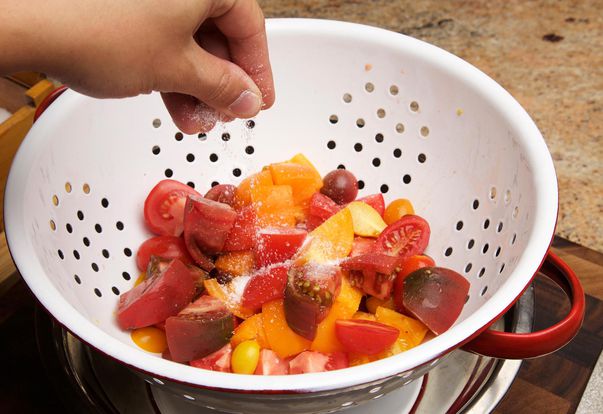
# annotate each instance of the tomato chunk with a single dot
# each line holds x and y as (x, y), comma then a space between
(322, 206)
(362, 245)
(365, 337)
(216, 361)
(312, 361)
(265, 285)
(165, 247)
(376, 201)
(407, 266)
(198, 330)
(374, 273)
(242, 233)
(271, 364)
(406, 237)
(277, 244)
(435, 296)
(164, 207)
(222, 193)
(156, 298)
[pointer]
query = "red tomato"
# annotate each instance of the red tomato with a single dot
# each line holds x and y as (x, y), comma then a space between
(376, 201)
(435, 296)
(277, 244)
(362, 245)
(271, 364)
(365, 337)
(222, 193)
(217, 361)
(164, 207)
(322, 206)
(201, 328)
(312, 222)
(312, 361)
(157, 298)
(165, 247)
(242, 234)
(406, 237)
(372, 272)
(408, 266)
(265, 285)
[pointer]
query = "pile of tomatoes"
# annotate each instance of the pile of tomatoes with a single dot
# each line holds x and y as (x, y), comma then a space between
(286, 273)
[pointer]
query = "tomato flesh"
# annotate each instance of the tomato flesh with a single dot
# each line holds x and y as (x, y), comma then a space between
(222, 193)
(156, 298)
(271, 364)
(199, 329)
(376, 201)
(365, 337)
(216, 361)
(362, 245)
(265, 285)
(406, 237)
(277, 244)
(166, 247)
(312, 361)
(374, 273)
(164, 207)
(407, 266)
(435, 296)
(242, 233)
(322, 206)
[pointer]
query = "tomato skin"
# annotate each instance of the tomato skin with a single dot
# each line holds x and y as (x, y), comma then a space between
(365, 337)
(216, 361)
(376, 201)
(277, 244)
(406, 237)
(164, 207)
(165, 247)
(341, 186)
(264, 286)
(443, 290)
(407, 266)
(312, 361)
(362, 245)
(397, 209)
(242, 233)
(157, 298)
(222, 193)
(322, 206)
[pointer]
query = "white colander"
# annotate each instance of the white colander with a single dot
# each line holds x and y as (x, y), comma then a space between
(409, 119)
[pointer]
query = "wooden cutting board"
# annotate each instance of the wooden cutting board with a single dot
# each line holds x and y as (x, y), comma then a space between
(551, 384)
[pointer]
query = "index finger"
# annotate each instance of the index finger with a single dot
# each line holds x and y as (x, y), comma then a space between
(244, 27)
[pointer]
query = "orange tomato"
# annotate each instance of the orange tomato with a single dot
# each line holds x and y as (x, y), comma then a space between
(301, 178)
(372, 303)
(274, 206)
(281, 338)
(235, 263)
(411, 330)
(218, 291)
(344, 307)
(397, 209)
(250, 328)
(150, 339)
(247, 187)
(331, 240)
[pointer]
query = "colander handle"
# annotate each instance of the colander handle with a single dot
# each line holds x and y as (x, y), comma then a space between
(510, 345)
(50, 98)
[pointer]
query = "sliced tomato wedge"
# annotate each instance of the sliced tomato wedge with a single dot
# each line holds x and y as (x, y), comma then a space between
(206, 226)
(407, 266)
(199, 329)
(164, 207)
(271, 364)
(156, 298)
(265, 285)
(322, 206)
(165, 247)
(277, 244)
(312, 361)
(242, 235)
(365, 337)
(222, 193)
(374, 273)
(216, 361)
(435, 296)
(406, 237)
(362, 245)
(376, 201)
(313, 221)
(309, 295)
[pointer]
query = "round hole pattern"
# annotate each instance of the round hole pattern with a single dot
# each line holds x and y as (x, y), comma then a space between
(397, 153)
(485, 248)
(68, 228)
(507, 196)
(86, 241)
(115, 290)
(225, 137)
(86, 188)
(97, 292)
(360, 123)
(98, 228)
(381, 113)
(191, 184)
(105, 253)
(250, 124)
(333, 119)
(76, 254)
(376, 162)
(448, 252)
(80, 215)
(126, 275)
(53, 225)
(484, 290)
(384, 188)
(128, 252)
(424, 131)
(486, 224)
(498, 250)
(360, 184)
(414, 106)
(202, 136)
(502, 268)
(481, 272)
(331, 144)
(459, 225)
(492, 193)
(168, 172)
(55, 200)
(406, 179)
(369, 87)
(394, 90)
(358, 147)
(422, 158)
(499, 227)
(347, 98)
(156, 123)
(77, 279)
(236, 172)
(156, 149)
(468, 267)
(399, 127)
(213, 157)
(68, 187)
(105, 203)
(470, 244)
(475, 204)
(190, 157)
(249, 150)
(94, 267)
(341, 167)
(120, 226)
(178, 136)
(379, 138)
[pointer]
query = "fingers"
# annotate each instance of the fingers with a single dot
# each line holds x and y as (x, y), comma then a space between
(244, 27)
(189, 115)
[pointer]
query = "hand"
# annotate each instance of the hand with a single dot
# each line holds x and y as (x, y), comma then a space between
(209, 58)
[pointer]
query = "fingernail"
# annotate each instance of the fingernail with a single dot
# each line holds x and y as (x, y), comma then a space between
(247, 104)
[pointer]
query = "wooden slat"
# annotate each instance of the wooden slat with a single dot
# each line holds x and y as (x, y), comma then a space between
(8, 272)
(12, 95)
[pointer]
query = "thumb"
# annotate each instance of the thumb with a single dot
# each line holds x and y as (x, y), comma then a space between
(219, 83)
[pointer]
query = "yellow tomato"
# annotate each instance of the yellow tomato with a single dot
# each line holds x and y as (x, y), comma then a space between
(245, 357)
(397, 209)
(150, 339)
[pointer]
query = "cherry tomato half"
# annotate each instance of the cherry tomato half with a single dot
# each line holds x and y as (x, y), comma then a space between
(365, 337)
(164, 207)
(165, 247)
(408, 236)
(397, 209)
